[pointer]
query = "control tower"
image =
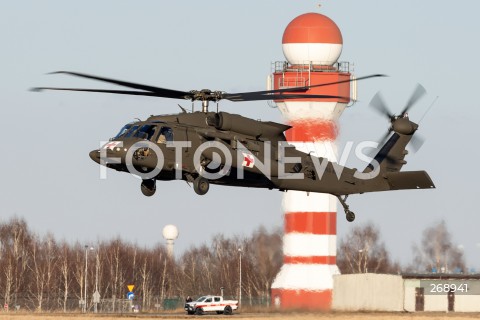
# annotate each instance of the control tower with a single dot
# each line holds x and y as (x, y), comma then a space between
(312, 44)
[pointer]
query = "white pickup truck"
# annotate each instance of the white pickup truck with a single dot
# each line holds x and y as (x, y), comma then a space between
(211, 304)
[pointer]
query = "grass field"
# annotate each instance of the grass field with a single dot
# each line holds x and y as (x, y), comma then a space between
(252, 316)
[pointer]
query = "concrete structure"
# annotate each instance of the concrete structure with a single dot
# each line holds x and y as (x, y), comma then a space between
(312, 43)
(368, 291)
(409, 292)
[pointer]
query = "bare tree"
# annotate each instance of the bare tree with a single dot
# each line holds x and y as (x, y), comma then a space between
(437, 252)
(15, 243)
(65, 272)
(38, 270)
(362, 251)
(264, 259)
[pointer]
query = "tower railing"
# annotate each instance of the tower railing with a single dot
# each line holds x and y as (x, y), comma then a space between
(303, 71)
(311, 66)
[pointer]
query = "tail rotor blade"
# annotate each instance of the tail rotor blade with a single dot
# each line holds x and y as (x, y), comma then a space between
(381, 142)
(378, 103)
(417, 94)
(416, 143)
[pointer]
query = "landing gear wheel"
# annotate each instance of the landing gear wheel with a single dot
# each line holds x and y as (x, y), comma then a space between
(227, 310)
(201, 185)
(148, 187)
(199, 311)
(350, 215)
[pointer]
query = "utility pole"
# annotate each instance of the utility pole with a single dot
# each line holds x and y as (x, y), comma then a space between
(240, 277)
(96, 295)
(86, 269)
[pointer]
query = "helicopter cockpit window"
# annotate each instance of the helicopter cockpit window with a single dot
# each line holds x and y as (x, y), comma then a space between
(131, 131)
(166, 135)
(123, 130)
(146, 131)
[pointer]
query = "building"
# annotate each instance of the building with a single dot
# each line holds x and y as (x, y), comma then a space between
(407, 292)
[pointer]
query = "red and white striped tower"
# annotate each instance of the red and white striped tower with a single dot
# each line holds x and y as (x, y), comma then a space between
(312, 44)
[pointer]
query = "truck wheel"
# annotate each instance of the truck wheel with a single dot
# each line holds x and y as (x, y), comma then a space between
(228, 310)
(199, 311)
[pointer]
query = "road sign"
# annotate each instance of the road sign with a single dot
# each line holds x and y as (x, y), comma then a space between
(130, 296)
(130, 287)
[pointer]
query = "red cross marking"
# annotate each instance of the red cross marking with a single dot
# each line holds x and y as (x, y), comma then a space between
(248, 160)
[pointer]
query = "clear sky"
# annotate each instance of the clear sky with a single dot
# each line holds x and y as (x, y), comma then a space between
(48, 178)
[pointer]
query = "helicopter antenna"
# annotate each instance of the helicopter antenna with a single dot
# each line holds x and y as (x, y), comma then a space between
(428, 109)
(183, 109)
(192, 106)
(137, 119)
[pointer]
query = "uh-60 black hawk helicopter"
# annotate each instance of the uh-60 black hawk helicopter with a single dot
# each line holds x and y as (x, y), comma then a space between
(206, 147)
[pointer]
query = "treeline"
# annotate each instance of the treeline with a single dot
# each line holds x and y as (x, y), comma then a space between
(42, 274)
(39, 273)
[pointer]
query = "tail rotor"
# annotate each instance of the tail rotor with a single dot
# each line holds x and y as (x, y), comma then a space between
(400, 123)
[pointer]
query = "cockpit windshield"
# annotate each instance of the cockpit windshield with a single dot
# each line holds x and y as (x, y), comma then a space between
(145, 131)
(130, 132)
(123, 130)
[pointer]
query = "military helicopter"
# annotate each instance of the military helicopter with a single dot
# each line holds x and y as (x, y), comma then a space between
(205, 147)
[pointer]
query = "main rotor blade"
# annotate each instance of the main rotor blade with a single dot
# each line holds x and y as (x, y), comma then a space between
(279, 96)
(378, 103)
(417, 94)
(161, 92)
(299, 89)
(127, 92)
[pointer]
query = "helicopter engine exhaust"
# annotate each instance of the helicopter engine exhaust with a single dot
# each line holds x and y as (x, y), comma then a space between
(233, 122)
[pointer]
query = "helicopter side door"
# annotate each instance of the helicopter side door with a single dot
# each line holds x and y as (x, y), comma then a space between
(181, 137)
(165, 135)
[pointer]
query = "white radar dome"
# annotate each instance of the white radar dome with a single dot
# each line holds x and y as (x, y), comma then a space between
(170, 232)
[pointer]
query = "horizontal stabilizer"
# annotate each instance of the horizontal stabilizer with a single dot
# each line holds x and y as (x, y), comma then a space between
(409, 180)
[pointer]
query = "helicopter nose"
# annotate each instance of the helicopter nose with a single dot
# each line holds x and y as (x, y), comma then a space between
(95, 155)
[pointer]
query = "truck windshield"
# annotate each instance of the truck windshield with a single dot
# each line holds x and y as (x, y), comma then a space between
(201, 299)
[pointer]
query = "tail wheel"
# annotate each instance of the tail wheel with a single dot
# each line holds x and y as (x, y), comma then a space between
(350, 216)
(228, 310)
(201, 185)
